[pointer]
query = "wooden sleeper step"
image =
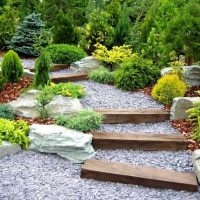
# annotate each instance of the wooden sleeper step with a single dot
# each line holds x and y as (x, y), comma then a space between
(138, 175)
(162, 142)
(121, 116)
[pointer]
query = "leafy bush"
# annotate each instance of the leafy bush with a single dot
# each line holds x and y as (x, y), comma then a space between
(65, 54)
(14, 132)
(112, 57)
(2, 82)
(85, 120)
(5, 112)
(67, 89)
(102, 75)
(12, 69)
(136, 72)
(42, 67)
(167, 88)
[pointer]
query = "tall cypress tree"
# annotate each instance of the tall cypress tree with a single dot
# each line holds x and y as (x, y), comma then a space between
(122, 28)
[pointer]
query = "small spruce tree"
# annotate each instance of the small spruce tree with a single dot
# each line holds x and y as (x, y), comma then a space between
(12, 69)
(42, 67)
(27, 36)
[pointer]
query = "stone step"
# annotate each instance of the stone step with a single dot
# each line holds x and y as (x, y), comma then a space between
(139, 141)
(138, 175)
(70, 77)
(122, 116)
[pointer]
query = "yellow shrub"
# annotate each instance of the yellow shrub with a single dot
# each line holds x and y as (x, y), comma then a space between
(167, 88)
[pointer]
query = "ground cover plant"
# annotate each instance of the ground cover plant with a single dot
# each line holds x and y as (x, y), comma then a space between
(6, 112)
(85, 120)
(14, 132)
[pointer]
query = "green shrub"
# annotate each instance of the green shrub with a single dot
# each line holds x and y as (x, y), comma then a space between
(42, 67)
(67, 89)
(136, 72)
(102, 75)
(167, 88)
(85, 120)
(65, 54)
(12, 69)
(2, 82)
(6, 112)
(14, 132)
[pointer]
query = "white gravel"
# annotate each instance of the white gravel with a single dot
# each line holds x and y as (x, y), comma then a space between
(36, 176)
(106, 96)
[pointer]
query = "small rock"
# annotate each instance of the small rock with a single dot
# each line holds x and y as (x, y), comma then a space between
(73, 145)
(181, 105)
(196, 163)
(8, 148)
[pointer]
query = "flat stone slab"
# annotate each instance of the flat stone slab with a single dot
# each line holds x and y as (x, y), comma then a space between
(138, 175)
(70, 144)
(180, 105)
(196, 163)
(8, 148)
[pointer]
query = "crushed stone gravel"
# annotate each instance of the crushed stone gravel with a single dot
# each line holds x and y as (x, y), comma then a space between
(35, 176)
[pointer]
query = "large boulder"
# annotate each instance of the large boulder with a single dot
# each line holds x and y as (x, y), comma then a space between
(25, 105)
(8, 148)
(191, 74)
(181, 105)
(73, 145)
(86, 64)
(196, 163)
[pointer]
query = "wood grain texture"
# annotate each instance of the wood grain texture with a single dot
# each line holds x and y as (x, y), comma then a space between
(70, 77)
(138, 175)
(120, 116)
(138, 141)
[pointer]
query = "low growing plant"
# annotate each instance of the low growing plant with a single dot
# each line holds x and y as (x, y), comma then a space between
(64, 54)
(135, 73)
(12, 69)
(85, 120)
(102, 75)
(168, 87)
(15, 132)
(6, 112)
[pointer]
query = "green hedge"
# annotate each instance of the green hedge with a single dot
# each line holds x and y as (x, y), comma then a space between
(65, 54)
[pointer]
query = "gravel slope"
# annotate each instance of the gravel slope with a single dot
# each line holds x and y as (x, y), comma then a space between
(36, 176)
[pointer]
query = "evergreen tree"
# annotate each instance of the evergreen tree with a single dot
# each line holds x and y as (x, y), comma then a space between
(42, 67)
(27, 35)
(122, 29)
(12, 69)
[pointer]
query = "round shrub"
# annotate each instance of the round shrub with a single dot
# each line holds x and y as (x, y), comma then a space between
(167, 88)
(85, 120)
(65, 54)
(12, 69)
(135, 73)
(6, 112)
(2, 82)
(42, 67)
(102, 75)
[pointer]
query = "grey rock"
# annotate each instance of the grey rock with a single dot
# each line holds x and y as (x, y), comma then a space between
(86, 64)
(73, 145)
(25, 106)
(191, 74)
(181, 105)
(8, 148)
(28, 73)
(196, 163)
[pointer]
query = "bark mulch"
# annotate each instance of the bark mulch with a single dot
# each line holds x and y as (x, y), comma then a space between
(12, 91)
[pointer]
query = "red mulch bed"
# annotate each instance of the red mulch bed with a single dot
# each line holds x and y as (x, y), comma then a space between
(12, 91)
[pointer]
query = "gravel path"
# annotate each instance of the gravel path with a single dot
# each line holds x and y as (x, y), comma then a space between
(36, 176)
(106, 96)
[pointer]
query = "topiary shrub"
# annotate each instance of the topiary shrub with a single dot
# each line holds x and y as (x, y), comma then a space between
(102, 75)
(42, 68)
(136, 72)
(2, 82)
(65, 54)
(12, 69)
(15, 132)
(85, 120)
(167, 88)
(6, 112)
